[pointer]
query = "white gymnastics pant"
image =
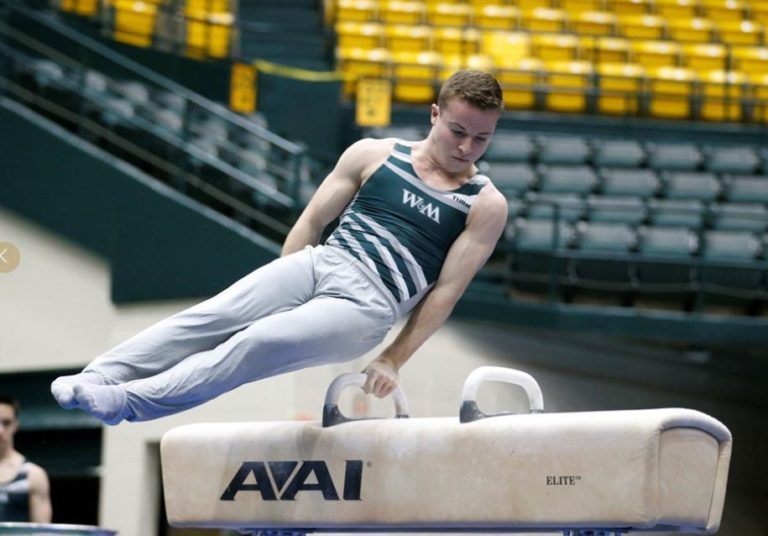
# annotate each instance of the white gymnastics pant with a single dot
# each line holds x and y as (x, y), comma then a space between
(313, 307)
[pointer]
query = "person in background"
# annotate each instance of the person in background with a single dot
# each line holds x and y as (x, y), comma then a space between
(24, 487)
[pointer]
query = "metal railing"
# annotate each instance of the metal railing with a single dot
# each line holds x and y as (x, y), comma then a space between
(230, 162)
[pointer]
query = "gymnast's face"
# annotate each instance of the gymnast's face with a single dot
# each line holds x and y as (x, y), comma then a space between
(461, 133)
(8, 426)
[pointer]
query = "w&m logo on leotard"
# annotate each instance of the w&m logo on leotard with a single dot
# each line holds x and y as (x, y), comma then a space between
(432, 212)
(291, 477)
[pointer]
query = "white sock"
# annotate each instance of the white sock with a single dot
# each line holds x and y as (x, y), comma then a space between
(105, 402)
(62, 387)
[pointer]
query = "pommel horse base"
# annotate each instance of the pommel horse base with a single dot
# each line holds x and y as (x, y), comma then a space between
(40, 529)
(602, 472)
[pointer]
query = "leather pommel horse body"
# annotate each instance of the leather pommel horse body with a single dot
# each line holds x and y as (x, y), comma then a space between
(604, 471)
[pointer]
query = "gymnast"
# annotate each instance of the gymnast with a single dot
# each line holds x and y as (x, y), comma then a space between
(417, 222)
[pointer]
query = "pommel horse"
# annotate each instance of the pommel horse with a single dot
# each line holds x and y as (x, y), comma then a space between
(602, 472)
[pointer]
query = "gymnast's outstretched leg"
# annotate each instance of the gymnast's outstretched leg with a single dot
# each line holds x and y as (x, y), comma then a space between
(323, 330)
(278, 286)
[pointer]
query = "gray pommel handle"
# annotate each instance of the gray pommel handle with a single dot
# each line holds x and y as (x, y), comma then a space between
(469, 410)
(331, 413)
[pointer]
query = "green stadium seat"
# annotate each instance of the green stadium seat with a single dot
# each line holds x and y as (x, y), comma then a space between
(565, 207)
(702, 186)
(563, 150)
(732, 274)
(605, 238)
(539, 235)
(674, 156)
(515, 208)
(567, 179)
(618, 153)
(739, 216)
(642, 183)
(532, 244)
(727, 245)
(512, 179)
(619, 210)
(676, 213)
(510, 147)
(602, 264)
(669, 242)
(666, 264)
(747, 188)
(740, 160)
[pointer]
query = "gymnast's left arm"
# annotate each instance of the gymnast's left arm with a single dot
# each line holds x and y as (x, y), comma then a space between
(466, 256)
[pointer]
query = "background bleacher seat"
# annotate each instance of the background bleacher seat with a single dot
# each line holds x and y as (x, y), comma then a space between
(563, 150)
(701, 186)
(510, 147)
(739, 216)
(674, 156)
(618, 153)
(608, 209)
(629, 182)
(512, 179)
(737, 160)
(564, 207)
(747, 189)
(688, 213)
(573, 179)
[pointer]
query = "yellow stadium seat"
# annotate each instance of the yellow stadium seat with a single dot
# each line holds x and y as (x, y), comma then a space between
(402, 12)
(456, 41)
(506, 47)
(449, 14)
(630, 7)
(722, 10)
(577, 6)
(554, 47)
(740, 32)
(452, 63)
(356, 63)
(723, 92)
(357, 10)
(406, 38)
(758, 12)
(651, 54)
(211, 6)
(415, 76)
(677, 9)
(567, 85)
(525, 5)
(544, 20)
(750, 60)
(594, 23)
(604, 49)
(209, 34)
(641, 26)
(518, 80)
(135, 22)
(696, 30)
(367, 35)
(620, 85)
(761, 96)
(670, 92)
(80, 7)
(494, 17)
(478, 4)
(704, 57)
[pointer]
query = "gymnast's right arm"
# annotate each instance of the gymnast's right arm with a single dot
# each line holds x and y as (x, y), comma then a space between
(333, 195)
